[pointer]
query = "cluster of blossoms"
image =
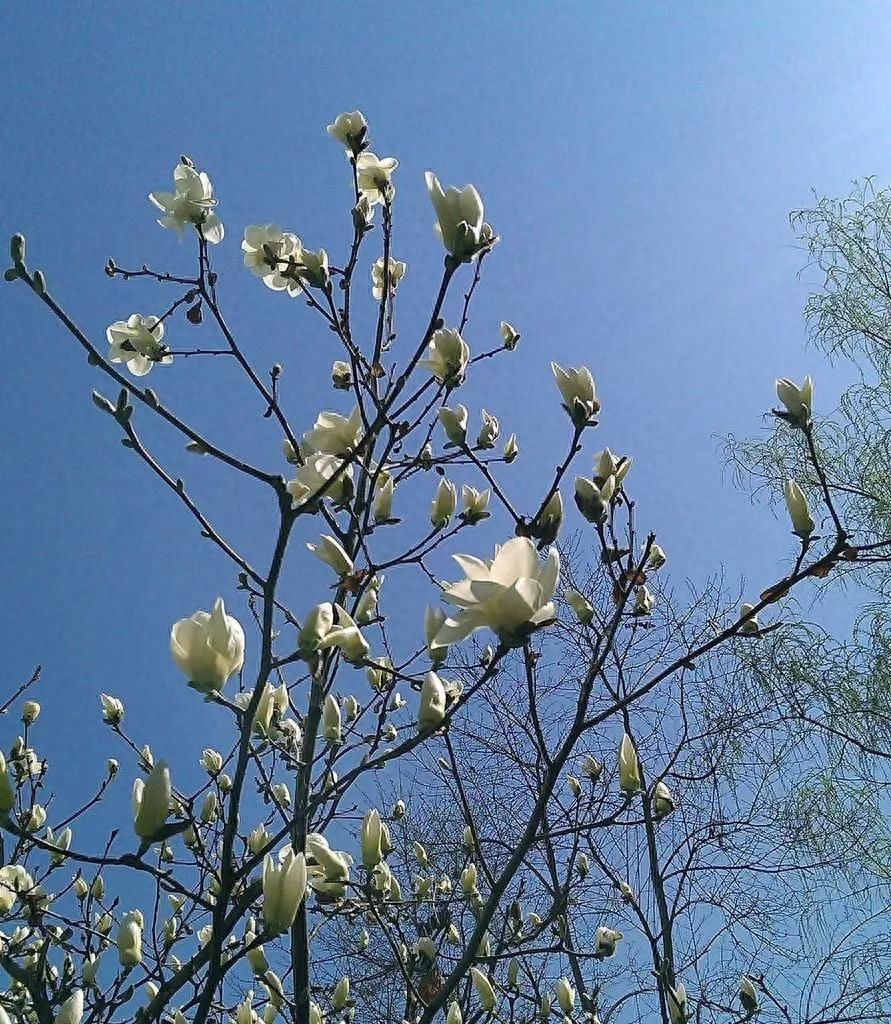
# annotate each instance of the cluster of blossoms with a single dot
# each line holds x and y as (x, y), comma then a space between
(339, 474)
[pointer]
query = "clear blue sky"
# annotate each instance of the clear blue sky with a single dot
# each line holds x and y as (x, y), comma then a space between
(638, 160)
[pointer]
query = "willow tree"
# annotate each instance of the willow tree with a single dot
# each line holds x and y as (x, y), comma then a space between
(551, 799)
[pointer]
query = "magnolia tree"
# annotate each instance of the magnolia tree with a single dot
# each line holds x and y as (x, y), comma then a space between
(554, 799)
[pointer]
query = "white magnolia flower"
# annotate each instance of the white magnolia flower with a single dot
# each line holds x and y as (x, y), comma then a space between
(112, 709)
(629, 768)
(350, 129)
(577, 391)
(444, 504)
(347, 637)
(663, 801)
(151, 801)
(397, 272)
(677, 1004)
(510, 336)
(373, 176)
(129, 939)
(644, 602)
(454, 423)
(190, 202)
(799, 513)
(565, 995)
(72, 1010)
(313, 267)
(511, 449)
(328, 869)
(606, 465)
(341, 375)
(592, 499)
(459, 218)
(656, 558)
(208, 647)
(331, 731)
(605, 940)
(748, 994)
(284, 887)
(433, 703)
(334, 434)
(750, 625)
(316, 627)
(330, 551)
(14, 880)
(137, 341)
(273, 255)
(489, 430)
(383, 501)
(447, 357)
(475, 503)
(797, 400)
(370, 835)
(580, 605)
(510, 595)
(317, 472)
(484, 990)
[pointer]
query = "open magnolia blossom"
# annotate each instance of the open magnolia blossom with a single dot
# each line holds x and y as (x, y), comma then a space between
(396, 274)
(605, 940)
(208, 647)
(578, 394)
(190, 203)
(138, 342)
(454, 423)
(374, 176)
(511, 595)
(273, 255)
(459, 218)
(447, 357)
(593, 500)
(321, 476)
(334, 434)
(349, 128)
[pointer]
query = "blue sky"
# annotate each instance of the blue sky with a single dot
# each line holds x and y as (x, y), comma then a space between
(639, 162)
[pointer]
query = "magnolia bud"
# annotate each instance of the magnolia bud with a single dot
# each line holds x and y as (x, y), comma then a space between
(383, 501)
(209, 806)
(796, 503)
(284, 887)
(444, 504)
(454, 423)
(72, 1010)
(454, 1014)
(341, 993)
(331, 720)
(663, 801)
(30, 711)
(574, 785)
(370, 835)
(433, 703)
(511, 449)
(629, 771)
(316, 627)
(484, 990)
(509, 336)
(748, 994)
(341, 375)
(580, 605)
(565, 995)
(797, 400)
